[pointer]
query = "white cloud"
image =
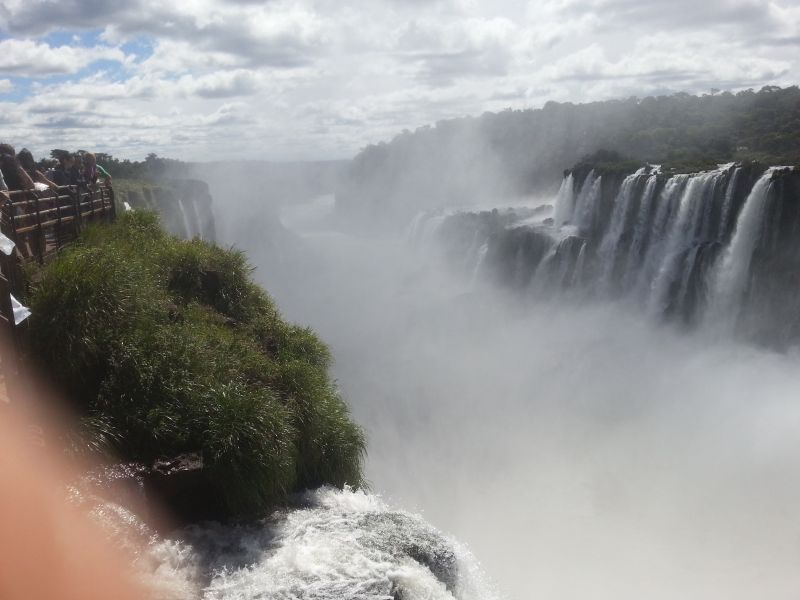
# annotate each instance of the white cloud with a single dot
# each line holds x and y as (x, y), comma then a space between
(33, 59)
(222, 84)
(6, 86)
(322, 78)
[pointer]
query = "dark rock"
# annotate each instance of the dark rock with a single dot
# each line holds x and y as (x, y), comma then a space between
(182, 486)
(178, 488)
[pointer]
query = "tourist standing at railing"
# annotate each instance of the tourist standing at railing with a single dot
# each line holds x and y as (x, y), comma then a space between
(76, 173)
(89, 168)
(62, 173)
(50, 172)
(15, 176)
(17, 180)
(45, 193)
(101, 172)
(29, 165)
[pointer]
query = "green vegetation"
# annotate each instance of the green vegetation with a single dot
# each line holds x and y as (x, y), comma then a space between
(125, 186)
(521, 151)
(153, 167)
(607, 161)
(167, 346)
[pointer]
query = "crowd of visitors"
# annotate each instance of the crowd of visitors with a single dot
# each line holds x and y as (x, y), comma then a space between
(34, 193)
(20, 172)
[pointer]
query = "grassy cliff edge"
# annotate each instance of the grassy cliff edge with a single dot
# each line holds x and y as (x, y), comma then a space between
(167, 346)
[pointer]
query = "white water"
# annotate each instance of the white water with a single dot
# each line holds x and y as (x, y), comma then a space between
(587, 200)
(669, 197)
(727, 207)
(565, 201)
(190, 231)
(641, 227)
(681, 237)
(619, 223)
(482, 252)
(342, 545)
(730, 278)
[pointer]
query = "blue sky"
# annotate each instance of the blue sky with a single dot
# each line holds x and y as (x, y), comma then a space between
(313, 79)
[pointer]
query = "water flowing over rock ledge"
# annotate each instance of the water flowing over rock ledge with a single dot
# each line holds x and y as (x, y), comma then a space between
(328, 544)
(719, 248)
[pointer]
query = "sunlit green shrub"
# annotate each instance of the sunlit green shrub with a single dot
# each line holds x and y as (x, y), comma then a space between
(172, 348)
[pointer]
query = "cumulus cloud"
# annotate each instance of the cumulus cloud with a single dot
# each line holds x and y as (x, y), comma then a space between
(223, 84)
(322, 78)
(276, 33)
(33, 59)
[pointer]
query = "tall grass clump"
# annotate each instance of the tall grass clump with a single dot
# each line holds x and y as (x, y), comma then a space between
(172, 348)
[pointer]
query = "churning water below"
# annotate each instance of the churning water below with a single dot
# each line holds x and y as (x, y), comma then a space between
(579, 450)
(341, 545)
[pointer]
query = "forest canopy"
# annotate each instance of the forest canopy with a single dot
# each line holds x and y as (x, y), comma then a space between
(516, 152)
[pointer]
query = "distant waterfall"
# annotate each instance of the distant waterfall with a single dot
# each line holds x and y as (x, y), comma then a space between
(610, 246)
(583, 215)
(187, 226)
(424, 226)
(730, 278)
(641, 230)
(565, 201)
(727, 207)
(482, 252)
(680, 247)
(683, 236)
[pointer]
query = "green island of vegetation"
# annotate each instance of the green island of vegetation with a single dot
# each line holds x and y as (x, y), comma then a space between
(166, 347)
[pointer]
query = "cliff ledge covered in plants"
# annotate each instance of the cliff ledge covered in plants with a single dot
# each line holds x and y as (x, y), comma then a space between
(167, 347)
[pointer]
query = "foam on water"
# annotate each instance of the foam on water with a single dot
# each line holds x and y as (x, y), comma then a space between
(340, 545)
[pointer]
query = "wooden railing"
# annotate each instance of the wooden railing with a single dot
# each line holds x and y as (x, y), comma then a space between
(40, 224)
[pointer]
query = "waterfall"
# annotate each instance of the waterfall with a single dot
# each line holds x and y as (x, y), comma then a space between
(577, 272)
(543, 275)
(682, 236)
(190, 208)
(727, 206)
(609, 247)
(186, 225)
(731, 275)
(656, 240)
(482, 252)
(640, 230)
(425, 226)
(412, 234)
(688, 270)
(586, 202)
(565, 202)
(666, 243)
